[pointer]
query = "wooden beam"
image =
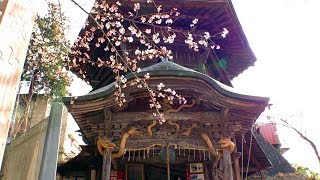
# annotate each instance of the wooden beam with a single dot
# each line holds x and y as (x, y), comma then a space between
(108, 122)
(104, 79)
(224, 122)
(202, 116)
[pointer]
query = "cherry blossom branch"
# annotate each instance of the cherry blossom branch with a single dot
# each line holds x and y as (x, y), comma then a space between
(117, 30)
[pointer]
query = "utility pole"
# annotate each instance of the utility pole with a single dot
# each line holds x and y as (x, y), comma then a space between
(16, 24)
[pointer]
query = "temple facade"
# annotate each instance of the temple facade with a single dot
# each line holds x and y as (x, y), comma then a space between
(209, 137)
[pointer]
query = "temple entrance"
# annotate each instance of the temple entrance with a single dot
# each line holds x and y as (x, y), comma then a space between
(155, 171)
(174, 163)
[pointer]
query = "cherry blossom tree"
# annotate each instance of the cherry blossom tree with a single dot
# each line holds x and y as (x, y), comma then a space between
(151, 31)
(45, 62)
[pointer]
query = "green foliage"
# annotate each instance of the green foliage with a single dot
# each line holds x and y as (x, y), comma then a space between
(306, 172)
(223, 63)
(47, 55)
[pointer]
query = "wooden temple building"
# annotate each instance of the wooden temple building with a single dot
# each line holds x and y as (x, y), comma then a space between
(208, 138)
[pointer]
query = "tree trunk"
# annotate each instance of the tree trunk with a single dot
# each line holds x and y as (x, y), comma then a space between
(26, 113)
(21, 126)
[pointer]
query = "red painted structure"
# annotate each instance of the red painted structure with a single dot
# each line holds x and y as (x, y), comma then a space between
(269, 132)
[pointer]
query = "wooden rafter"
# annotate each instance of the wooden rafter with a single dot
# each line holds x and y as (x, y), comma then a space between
(252, 157)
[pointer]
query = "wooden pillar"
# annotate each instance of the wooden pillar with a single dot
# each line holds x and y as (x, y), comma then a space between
(106, 166)
(107, 123)
(235, 159)
(262, 175)
(227, 165)
(93, 174)
(226, 154)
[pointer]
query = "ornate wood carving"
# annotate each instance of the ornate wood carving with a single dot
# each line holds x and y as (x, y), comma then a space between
(172, 110)
(122, 147)
(206, 138)
(105, 146)
(149, 128)
(174, 124)
(227, 143)
(188, 132)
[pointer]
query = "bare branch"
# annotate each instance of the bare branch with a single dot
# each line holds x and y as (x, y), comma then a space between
(314, 147)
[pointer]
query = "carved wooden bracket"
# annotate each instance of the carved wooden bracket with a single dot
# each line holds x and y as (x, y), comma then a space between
(105, 146)
(227, 143)
(188, 132)
(149, 128)
(171, 110)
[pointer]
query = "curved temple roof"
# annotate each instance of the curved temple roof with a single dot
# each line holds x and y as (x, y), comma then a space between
(195, 84)
(170, 69)
(213, 15)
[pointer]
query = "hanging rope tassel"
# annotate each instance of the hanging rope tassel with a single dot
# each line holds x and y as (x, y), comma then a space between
(129, 155)
(153, 150)
(125, 150)
(242, 155)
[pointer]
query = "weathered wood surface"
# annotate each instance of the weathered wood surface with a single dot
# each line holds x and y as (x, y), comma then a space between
(15, 31)
(106, 166)
(188, 87)
(246, 149)
(124, 117)
(90, 113)
(235, 159)
(207, 121)
(227, 165)
(107, 123)
(93, 174)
